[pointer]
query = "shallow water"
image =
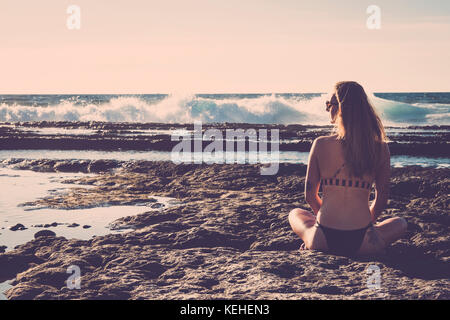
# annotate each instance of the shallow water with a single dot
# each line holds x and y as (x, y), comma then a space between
(85, 155)
(284, 157)
(19, 186)
(58, 131)
(4, 286)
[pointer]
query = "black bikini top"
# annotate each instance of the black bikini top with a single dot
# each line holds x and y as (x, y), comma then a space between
(345, 183)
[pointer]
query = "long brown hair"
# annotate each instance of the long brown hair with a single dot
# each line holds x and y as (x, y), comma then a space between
(359, 128)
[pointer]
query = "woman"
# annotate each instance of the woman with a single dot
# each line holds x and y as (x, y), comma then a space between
(346, 164)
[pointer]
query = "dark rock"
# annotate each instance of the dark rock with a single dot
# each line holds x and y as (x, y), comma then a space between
(326, 289)
(71, 166)
(44, 233)
(102, 165)
(208, 283)
(49, 225)
(73, 225)
(25, 291)
(11, 264)
(152, 270)
(110, 136)
(18, 227)
(54, 276)
(406, 188)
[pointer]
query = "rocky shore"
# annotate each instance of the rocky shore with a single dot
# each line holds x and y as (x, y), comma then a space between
(106, 136)
(229, 238)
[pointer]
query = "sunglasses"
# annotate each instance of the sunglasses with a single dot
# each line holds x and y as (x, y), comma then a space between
(329, 105)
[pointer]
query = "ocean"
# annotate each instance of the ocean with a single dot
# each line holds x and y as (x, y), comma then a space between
(395, 109)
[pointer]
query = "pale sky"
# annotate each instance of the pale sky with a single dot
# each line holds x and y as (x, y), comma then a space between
(219, 46)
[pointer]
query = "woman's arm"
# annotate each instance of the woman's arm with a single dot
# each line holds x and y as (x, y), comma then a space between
(382, 178)
(312, 180)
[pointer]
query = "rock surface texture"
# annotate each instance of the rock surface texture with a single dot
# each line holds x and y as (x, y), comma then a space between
(229, 238)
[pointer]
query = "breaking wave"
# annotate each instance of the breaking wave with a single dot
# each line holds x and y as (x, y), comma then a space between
(263, 109)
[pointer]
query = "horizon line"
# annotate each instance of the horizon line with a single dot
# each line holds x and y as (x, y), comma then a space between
(208, 93)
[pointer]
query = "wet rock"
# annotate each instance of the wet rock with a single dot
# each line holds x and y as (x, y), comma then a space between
(26, 291)
(102, 165)
(71, 166)
(110, 136)
(73, 225)
(86, 226)
(208, 283)
(326, 289)
(406, 188)
(18, 227)
(52, 276)
(49, 225)
(44, 233)
(284, 270)
(3, 248)
(14, 263)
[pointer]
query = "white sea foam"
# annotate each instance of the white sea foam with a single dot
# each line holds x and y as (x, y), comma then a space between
(187, 108)
(394, 113)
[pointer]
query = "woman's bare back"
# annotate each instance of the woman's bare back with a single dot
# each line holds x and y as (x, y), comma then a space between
(343, 207)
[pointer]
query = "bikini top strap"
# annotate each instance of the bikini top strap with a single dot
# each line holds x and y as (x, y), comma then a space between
(338, 171)
(369, 225)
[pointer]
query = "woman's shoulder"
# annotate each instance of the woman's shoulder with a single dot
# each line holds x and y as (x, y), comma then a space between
(323, 143)
(325, 139)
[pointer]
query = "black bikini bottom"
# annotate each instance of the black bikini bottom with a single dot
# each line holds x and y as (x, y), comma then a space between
(344, 242)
